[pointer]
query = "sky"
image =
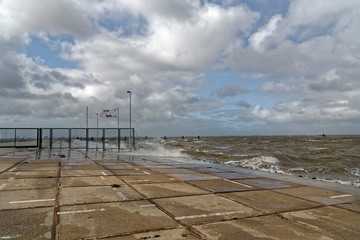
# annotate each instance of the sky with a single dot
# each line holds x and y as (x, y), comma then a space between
(194, 67)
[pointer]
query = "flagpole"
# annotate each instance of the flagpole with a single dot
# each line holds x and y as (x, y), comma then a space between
(87, 116)
(130, 123)
(118, 115)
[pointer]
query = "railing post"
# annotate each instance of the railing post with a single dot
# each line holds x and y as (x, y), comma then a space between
(69, 138)
(133, 135)
(40, 138)
(15, 139)
(87, 138)
(51, 137)
(103, 139)
(119, 139)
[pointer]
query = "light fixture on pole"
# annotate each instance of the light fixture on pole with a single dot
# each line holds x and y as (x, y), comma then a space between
(130, 122)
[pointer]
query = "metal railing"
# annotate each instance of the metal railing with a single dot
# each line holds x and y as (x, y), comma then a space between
(82, 138)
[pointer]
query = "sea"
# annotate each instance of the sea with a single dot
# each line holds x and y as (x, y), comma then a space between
(324, 158)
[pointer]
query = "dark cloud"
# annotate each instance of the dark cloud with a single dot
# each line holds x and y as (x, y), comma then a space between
(9, 75)
(231, 91)
(243, 103)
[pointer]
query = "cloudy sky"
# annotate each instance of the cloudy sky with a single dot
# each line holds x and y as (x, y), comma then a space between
(195, 67)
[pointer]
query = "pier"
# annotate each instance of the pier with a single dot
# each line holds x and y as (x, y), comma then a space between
(94, 194)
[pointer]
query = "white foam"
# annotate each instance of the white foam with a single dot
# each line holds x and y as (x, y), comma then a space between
(297, 169)
(355, 171)
(264, 163)
(355, 183)
(156, 148)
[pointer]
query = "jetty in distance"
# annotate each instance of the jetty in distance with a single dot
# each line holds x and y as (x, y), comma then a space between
(91, 194)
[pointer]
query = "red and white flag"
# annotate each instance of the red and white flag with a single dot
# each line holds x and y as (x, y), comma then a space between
(109, 113)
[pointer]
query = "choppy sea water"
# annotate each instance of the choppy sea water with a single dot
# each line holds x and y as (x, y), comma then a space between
(330, 158)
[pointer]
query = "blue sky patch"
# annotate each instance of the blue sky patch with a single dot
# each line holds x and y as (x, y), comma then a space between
(49, 52)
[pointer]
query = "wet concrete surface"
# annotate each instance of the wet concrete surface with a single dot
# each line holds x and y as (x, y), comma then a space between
(267, 183)
(159, 190)
(173, 234)
(109, 219)
(324, 196)
(34, 223)
(270, 202)
(222, 185)
(28, 183)
(78, 194)
(205, 208)
(340, 223)
(266, 227)
(90, 181)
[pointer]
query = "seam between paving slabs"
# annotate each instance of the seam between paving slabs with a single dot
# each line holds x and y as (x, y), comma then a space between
(13, 166)
(56, 207)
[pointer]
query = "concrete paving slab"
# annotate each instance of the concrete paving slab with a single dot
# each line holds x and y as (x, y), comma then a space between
(268, 183)
(233, 175)
(27, 198)
(204, 208)
(76, 162)
(111, 219)
(193, 177)
(319, 195)
(42, 162)
(157, 190)
(5, 159)
(90, 181)
(265, 227)
(82, 167)
(4, 166)
(4, 151)
(141, 179)
(97, 194)
(112, 163)
(184, 165)
(354, 206)
(27, 183)
(156, 166)
(84, 173)
(175, 170)
(270, 202)
(30, 174)
(35, 167)
(173, 234)
(16, 153)
(134, 172)
(26, 223)
(210, 170)
(6, 163)
(123, 167)
(337, 222)
(222, 185)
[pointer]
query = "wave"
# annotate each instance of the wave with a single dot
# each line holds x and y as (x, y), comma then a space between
(157, 148)
(355, 172)
(298, 156)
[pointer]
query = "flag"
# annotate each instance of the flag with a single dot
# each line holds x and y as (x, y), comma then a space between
(109, 113)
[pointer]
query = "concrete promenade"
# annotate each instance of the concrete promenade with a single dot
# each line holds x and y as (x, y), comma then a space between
(62, 194)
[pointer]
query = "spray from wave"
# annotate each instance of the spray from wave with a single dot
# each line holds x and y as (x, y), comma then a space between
(157, 147)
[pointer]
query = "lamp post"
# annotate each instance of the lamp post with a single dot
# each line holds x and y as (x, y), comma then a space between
(130, 123)
(97, 130)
